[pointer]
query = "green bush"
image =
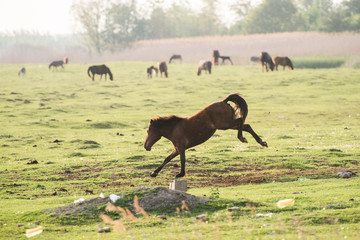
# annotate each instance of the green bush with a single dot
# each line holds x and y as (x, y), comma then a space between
(322, 62)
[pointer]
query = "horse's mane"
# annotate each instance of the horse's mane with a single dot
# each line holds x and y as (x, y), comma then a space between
(165, 121)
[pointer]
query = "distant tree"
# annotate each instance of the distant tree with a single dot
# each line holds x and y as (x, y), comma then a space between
(208, 22)
(120, 25)
(272, 16)
(241, 9)
(157, 24)
(181, 19)
(335, 21)
(91, 16)
(315, 13)
(352, 11)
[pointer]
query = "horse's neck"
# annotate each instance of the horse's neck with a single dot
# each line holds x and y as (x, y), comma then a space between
(167, 129)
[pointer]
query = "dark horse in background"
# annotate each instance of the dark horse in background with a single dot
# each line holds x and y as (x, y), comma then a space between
(283, 61)
(163, 69)
(223, 58)
(204, 65)
(56, 64)
(266, 61)
(152, 71)
(175, 56)
(187, 132)
(100, 70)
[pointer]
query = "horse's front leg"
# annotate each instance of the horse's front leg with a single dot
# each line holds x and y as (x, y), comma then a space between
(168, 159)
(247, 128)
(182, 159)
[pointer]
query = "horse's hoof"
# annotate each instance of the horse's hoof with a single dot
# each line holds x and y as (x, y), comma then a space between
(243, 140)
(153, 174)
(264, 144)
(180, 175)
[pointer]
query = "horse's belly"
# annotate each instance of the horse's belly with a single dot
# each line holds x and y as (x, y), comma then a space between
(199, 136)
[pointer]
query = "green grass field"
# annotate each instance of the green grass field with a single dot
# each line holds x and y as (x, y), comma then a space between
(88, 137)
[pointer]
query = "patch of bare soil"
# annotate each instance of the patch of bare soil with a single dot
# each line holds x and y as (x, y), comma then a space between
(213, 179)
(152, 198)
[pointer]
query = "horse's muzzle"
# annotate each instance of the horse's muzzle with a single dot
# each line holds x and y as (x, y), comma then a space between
(148, 148)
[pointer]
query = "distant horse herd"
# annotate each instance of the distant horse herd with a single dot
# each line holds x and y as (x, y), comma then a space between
(264, 60)
(187, 132)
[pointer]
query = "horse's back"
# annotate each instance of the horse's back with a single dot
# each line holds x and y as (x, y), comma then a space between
(214, 112)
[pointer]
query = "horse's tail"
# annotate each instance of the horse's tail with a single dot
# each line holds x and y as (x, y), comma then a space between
(240, 103)
(88, 71)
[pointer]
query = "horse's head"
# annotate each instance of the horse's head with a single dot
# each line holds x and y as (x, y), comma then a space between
(272, 65)
(153, 135)
(199, 71)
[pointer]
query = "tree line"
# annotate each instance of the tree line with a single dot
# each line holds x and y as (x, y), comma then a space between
(110, 25)
(114, 25)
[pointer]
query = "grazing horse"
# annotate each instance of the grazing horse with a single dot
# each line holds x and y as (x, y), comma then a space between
(151, 71)
(216, 56)
(100, 70)
(22, 72)
(255, 59)
(226, 58)
(283, 61)
(187, 132)
(204, 65)
(266, 60)
(175, 56)
(56, 64)
(163, 69)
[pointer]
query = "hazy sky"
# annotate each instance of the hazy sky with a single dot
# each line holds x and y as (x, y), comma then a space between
(53, 17)
(44, 16)
(48, 16)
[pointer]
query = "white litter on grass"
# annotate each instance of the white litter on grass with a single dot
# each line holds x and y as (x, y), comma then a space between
(264, 214)
(34, 231)
(114, 198)
(285, 203)
(79, 200)
(102, 195)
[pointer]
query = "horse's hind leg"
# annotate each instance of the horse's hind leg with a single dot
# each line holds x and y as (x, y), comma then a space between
(247, 128)
(168, 159)
(237, 124)
(240, 124)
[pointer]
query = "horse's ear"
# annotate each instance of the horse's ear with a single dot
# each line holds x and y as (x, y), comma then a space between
(151, 121)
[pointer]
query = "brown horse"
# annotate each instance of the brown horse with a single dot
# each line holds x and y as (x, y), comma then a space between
(283, 61)
(216, 55)
(266, 61)
(22, 72)
(100, 70)
(66, 60)
(163, 69)
(204, 65)
(187, 132)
